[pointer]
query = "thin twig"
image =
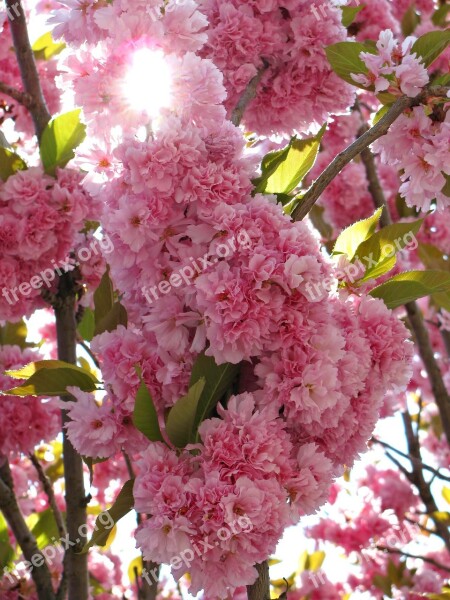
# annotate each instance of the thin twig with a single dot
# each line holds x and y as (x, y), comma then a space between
(436, 472)
(343, 158)
(417, 478)
(426, 559)
(48, 489)
(247, 96)
(17, 95)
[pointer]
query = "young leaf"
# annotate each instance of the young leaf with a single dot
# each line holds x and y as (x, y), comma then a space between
(378, 252)
(104, 526)
(10, 163)
(410, 21)
(181, 418)
(108, 313)
(349, 14)
(45, 47)
(14, 334)
(86, 326)
(59, 139)
(410, 286)
(145, 417)
(344, 60)
(6, 550)
(432, 257)
(349, 240)
(44, 528)
(431, 45)
(51, 378)
(284, 172)
(219, 379)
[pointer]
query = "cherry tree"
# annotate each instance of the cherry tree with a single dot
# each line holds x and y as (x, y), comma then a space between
(228, 225)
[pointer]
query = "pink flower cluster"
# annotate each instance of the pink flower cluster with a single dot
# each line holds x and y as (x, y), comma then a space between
(232, 493)
(299, 88)
(11, 109)
(24, 422)
(420, 147)
(393, 68)
(204, 266)
(39, 218)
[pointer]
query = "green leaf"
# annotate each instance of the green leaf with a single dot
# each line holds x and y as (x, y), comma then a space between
(446, 189)
(439, 18)
(45, 48)
(14, 334)
(44, 528)
(6, 550)
(349, 240)
(349, 14)
(145, 417)
(108, 313)
(283, 171)
(410, 286)
(181, 418)
(86, 326)
(383, 110)
(377, 253)
(315, 560)
(410, 21)
(51, 378)
(59, 139)
(219, 379)
(105, 522)
(446, 494)
(10, 163)
(135, 569)
(344, 60)
(431, 45)
(433, 258)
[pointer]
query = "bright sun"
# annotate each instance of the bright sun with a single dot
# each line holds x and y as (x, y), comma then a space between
(147, 84)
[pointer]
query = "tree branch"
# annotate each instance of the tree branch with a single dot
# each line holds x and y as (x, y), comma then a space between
(260, 590)
(372, 134)
(417, 478)
(17, 95)
(426, 559)
(25, 58)
(75, 565)
(247, 96)
(424, 466)
(13, 515)
(425, 348)
(48, 489)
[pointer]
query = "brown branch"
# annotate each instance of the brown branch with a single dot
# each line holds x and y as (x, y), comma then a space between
(417, 478)
(425, 348)
(17, 95)
(426, 559)
(48, 489)
(75, 564)
(260, 590)
(247, 96)
(25, 58)
(424, 466)
(27, 542)
(343, 158)
(415, 317)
